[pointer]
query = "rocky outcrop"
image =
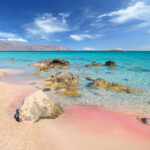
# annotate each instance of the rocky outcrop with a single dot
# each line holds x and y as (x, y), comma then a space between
(93, 64)
(42, 65)
(37, 106)
(110, 63)
(59, 63)
(66, 82)
(47, 64)
(101, 83)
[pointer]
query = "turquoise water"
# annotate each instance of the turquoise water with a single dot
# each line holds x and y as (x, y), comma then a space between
(133, 70)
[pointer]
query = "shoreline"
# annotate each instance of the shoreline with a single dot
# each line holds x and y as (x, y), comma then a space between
(80, 127)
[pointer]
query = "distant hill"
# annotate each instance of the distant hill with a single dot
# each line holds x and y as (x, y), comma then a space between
(119, 50)
(5, 46)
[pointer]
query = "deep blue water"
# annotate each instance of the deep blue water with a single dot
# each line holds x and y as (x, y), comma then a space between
(133, 70)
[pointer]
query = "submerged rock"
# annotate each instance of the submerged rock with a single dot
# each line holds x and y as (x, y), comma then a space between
(93, 64)
(90, 79)
(110, 63)
(65, 81)
(37, 106)
(12, 59)
(47, 64)
(113, 86)
(46, 89)
(42, 65)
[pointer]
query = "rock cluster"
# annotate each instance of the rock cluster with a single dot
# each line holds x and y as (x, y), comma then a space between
(113, 86)
(110, 63)
(47, 64)
(42, 65)
(37, 106)
(93, 64)
(66, 82)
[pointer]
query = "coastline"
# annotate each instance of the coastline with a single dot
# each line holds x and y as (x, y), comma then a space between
(80, 127)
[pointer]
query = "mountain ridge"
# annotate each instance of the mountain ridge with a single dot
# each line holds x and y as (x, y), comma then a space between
(5, 46)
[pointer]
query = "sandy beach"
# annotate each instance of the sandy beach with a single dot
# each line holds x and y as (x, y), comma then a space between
(79, 127)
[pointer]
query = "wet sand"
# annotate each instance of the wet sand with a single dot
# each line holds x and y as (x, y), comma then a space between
(79, 128)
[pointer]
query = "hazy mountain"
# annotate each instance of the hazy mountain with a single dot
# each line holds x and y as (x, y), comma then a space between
(5, 46)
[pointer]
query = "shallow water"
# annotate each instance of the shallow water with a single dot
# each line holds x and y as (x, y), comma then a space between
(133, 70)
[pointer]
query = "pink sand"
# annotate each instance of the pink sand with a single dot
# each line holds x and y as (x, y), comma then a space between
(79, 128)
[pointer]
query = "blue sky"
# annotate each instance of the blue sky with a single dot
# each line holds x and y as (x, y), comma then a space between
(77, 24)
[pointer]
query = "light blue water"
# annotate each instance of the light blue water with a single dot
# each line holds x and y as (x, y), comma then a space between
(133, 70)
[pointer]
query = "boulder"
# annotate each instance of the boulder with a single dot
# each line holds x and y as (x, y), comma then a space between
(59, 63)
(113, 86)
(110, 63)
(64, 81)
(93, 64)
(38, 106)
(42, 65)
(47, 64)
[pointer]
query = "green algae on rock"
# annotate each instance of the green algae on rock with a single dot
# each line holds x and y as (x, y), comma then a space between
(66, 82)
(101, 83)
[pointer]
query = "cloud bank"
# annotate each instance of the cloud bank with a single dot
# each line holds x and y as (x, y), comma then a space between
(11, 37)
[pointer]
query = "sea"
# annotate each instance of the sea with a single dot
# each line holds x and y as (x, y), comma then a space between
(132, 70)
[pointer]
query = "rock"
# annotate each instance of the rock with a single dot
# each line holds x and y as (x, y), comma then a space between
(89, 78)
(110, 63)
(59, 63)
(12, 59)
(145, 121)
(64, 81)
(38, 106)
(41, 66)
(113, 86)
(46, 89)
(88, 65)
(93, 64)
(47, 64)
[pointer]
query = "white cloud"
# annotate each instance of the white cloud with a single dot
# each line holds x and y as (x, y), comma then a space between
(64, 16)
(11, 37)
(47, 24)
(88, 48)
(17, 40)
(137, 10)
(80, 37)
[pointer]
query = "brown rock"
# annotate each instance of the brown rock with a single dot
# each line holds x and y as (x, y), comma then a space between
(65, 82)
(113, 86)
(89, 78)
(110, 63)
(59, 63)
(47, 64)
(93, 64)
